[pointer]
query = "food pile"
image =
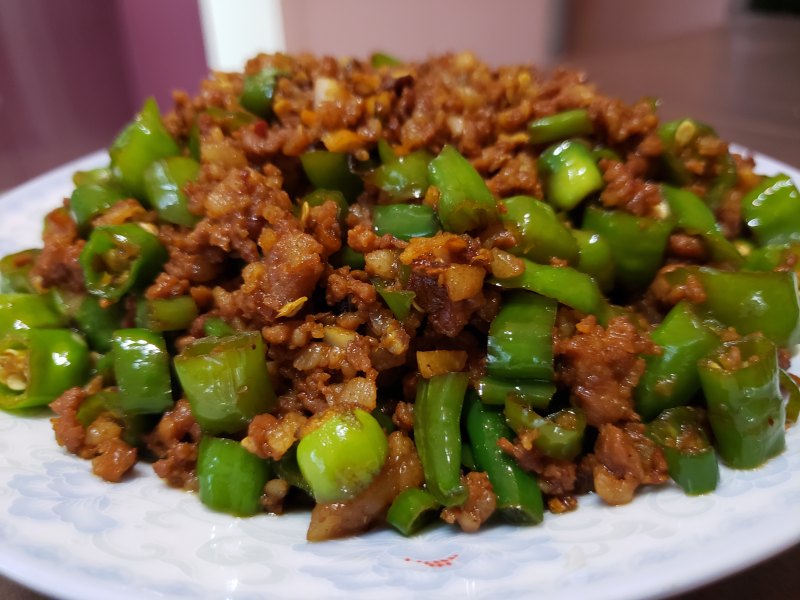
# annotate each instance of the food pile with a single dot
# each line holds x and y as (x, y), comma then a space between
(401, 291)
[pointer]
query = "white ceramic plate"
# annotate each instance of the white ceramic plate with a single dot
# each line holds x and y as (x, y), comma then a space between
(69, 534)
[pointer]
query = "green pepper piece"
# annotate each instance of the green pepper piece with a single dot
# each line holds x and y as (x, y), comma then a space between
(217, 327)
(405, 221)
(692, 215)
(682, 143)
(134, 427)
(637, 243)
(437, 434)
(530, 392)
(402, 177)
(28, 311)
(570, 174)
(398, 301)
(772, 211)
(559, 435)
(259, 90)
(559, 126)
(564, 284)
(97, 322)
(769, 258)
(15, 270)
(465, 202)
(741, 385)
(99, 176)
(230, 120)
(595, 258)
(791, 389)
(226, 381)
(382, 59)
(38, 365)
(141, 368)
(411, 510)
(750, 302)
(166, 314)
(140, 143)
(287, 469)
(89, 201)
(347, 257)
(103, 366)
(230, 479)
(691, 460)
(520, 342)
(330, 171)
(670, 378)
(163, 183)
(120, 258)
(539, 233)
(519, 498)
(340, 458)
(320, 197)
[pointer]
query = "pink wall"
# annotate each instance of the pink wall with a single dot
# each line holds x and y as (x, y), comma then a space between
(502, 31)
(609, 24)
(164, 47)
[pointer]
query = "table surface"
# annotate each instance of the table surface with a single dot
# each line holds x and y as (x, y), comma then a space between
(745, 80)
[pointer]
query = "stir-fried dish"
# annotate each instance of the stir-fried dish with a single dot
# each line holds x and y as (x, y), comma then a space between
(395, 292)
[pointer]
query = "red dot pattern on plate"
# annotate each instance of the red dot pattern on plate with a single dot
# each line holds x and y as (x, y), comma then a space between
(440, 562)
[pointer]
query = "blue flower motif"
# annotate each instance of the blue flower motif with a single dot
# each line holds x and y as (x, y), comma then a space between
(65, 491)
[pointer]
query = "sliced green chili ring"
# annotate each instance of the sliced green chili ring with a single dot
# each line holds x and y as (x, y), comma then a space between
(99, 176)
(437, 433)
(121, 258)
(383, 59)
(398, 301)
(230, 479)
(495, 391)
(163, 183)
(769, 258)
(670, 379)
(595, 258)
(287, 469)
(15, 272)
(89, 201)
(98, 322)
(230, 120)
(405, 221)
(691, 460)
(465, 202)
(166, 314)
(411, 510)
(134, 427)
(259, 90)
(570, 174)
(567, 124)
(749, 301)
(539, 233)
(564, 284)
(403, 177)
(340, 458)
(519, 498)
(29, 311)
(140, 143)
(637, 243)
(141, 368)
(347, 257)
(791, 389)
(320, 197)
(38, 365)
(692, 215)
(772, 211)
(217, 327)
(331, 171)
(103, 366)
(520, 342)
(559, 435)
(740, 383)
(226, 381)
